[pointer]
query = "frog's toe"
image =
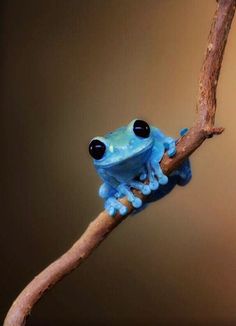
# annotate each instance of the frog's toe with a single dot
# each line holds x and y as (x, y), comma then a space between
(143, 176)
(171, 152)
(113, 206)
(153, 184)
(123, 210)
(109, 207)
(111, 211)
(145, 189)
(163, 180)
(137, 202)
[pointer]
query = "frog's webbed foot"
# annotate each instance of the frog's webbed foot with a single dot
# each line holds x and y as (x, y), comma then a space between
(183, 173)
(148, 173)
(144, 188)
(113, 206)
(170, 146)
(155, 175)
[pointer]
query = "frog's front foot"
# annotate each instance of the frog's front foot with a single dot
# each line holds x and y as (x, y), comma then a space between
(144, 188)
(155, 175)
(113, 206)
(124, 190)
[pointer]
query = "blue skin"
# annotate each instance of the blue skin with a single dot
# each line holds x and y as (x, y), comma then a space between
(129, 160)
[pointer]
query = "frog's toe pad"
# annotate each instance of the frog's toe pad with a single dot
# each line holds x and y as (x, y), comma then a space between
(111, 211)
(137, 202)
(112, 206)
(171, 152)
(163, 180)
(123, 210)
(153, 184)
(143, 176)
(146, 190)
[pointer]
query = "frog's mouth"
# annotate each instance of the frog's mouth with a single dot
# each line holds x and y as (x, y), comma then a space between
(138, 157)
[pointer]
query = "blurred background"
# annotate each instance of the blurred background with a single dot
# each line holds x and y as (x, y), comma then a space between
(72, 70)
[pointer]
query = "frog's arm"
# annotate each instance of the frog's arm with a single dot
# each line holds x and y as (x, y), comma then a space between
(154, 171)
(162, 143)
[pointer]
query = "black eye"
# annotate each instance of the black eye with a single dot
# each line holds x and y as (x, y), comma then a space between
(141, 129)
(97, 149)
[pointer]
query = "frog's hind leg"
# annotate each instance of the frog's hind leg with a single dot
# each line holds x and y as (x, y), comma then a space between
(183, 174)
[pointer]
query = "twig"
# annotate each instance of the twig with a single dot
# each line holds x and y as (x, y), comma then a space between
(99, 229)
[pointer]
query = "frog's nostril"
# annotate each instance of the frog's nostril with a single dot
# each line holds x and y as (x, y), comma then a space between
(111, 148)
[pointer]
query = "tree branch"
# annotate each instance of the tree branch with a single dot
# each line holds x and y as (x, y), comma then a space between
(99, 229)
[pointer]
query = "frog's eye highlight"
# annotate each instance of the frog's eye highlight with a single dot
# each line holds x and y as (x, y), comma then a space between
(97, 149)
(141, 128)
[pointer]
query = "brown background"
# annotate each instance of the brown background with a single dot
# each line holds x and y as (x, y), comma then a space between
(72, 70)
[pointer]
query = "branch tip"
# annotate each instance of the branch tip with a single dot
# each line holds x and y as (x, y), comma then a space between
(209, 133)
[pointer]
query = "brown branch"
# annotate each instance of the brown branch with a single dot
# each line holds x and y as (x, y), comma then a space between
(98, 230)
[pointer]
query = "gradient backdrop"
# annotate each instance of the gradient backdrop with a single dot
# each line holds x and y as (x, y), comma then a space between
(72, 70)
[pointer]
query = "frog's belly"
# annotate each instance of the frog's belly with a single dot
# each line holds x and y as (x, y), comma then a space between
(130, 168)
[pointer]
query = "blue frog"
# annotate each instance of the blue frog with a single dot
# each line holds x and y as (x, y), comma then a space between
(128, 156)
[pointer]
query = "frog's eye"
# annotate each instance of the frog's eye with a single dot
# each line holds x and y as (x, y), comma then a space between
(97, 149)
(141, 128)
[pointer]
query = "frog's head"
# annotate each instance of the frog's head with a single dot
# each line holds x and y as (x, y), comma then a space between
(134, 141)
